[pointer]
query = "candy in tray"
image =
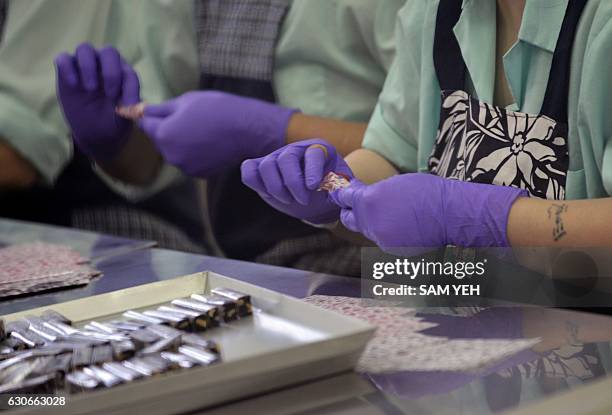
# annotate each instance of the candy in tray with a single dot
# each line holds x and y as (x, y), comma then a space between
(243, 301)
(46, 353)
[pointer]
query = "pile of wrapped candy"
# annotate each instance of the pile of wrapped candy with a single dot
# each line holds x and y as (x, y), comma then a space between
(46, 353)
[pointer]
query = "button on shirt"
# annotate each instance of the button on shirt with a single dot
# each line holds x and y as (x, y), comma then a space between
(405, 121)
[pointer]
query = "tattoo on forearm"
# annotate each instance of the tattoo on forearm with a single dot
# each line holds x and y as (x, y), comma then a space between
(556, 212)
(572, 332)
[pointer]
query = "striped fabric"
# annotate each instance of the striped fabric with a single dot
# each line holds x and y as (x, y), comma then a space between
(3, 7)
(131, 222)
(322, 252)
(237, 38)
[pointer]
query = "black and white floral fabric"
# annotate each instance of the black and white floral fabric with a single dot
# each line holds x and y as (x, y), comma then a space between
(479, 142)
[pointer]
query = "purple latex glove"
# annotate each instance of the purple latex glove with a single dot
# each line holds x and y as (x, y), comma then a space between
(288, 179)
(424, 210)
(90, 85)
(204, 132)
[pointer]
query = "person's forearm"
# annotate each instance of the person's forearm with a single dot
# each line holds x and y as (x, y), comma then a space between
(15, 171)
(568, 223)
(345, 136)
(370, 167)
(138, 163)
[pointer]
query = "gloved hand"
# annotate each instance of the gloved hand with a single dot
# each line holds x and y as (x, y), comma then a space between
(424, 210)
(205, 132)
(90, 85)
(288, 179)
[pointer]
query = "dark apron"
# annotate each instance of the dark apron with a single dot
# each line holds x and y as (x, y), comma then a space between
(483, 143)
(2, 16)
(78, 187)
(237, 43)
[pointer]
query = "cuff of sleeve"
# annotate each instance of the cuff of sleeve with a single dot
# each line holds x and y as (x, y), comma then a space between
(48, 149)
(166, 176)
(272, 133)
(328, 226)
(383, 139)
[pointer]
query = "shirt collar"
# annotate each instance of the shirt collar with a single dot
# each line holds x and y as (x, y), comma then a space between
(542, 21)
(475, 31)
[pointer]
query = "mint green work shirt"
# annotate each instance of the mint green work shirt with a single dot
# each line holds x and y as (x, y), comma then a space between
(333, 56)
(331, 60)
(36, 31)
(405, 122)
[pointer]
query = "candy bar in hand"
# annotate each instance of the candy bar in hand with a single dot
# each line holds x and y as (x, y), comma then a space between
(131, 112)
(334, 181)
(243, 301)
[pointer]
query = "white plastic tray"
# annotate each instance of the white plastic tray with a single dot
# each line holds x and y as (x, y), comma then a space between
(286, 342)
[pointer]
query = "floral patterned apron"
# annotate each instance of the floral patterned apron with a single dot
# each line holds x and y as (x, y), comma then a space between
(480, 142)
(484, 143)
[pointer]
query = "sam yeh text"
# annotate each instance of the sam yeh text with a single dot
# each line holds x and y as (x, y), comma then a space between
(427, 290)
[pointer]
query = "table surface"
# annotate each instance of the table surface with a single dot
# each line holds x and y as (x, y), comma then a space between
(503, 387)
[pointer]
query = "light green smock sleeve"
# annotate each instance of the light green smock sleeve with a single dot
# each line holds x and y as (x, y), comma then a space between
(408, 107)
(167, 62)
(590, 105)
(156, 36)
(35, 32)
(333, 56)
